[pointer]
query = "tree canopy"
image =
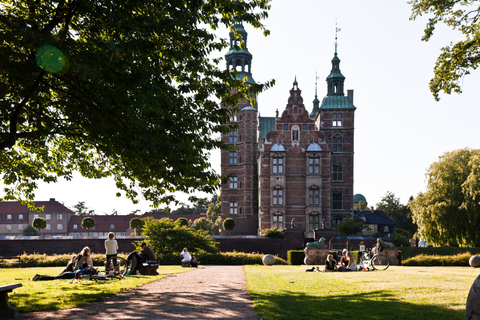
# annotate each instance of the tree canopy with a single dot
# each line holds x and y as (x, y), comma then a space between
(88, 223)
(456, 60)
(448, 213)
(122, 89)
(401, 214)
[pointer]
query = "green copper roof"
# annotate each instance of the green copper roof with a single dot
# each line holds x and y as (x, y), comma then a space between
(242, 75)
(337, 102)
(267, 124)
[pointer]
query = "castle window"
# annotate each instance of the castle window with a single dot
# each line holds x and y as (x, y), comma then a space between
(313, 222)
(336, 201)
(277, 165)
(277, 197)
(295, 133)
(277, 220)
(233, 207)
(20, 216)
(313, 165)
(337, 172)
(336, 221)
(314, 196)
(233, 183)
(337, 144)
(232, 157)
(337, 120)
(232, 136)
(285, 126)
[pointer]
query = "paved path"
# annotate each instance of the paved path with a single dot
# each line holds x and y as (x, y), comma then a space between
(209, 292)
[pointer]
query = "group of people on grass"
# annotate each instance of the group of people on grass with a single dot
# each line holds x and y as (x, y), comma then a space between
(82, 263)
(347, 263)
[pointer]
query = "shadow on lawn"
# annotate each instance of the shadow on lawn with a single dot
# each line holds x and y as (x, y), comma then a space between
(372, 306)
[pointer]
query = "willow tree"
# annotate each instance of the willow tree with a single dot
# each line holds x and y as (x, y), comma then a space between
(449, 211)
(457, 59)
(117, 88)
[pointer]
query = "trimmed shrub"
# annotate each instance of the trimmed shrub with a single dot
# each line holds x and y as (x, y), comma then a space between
(272, 233)
(60, 260)
(409, 252)
(295, 257)
(460, 259)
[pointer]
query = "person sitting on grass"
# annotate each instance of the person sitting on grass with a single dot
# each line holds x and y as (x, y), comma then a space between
(330, 264)
(67, 273)
(349, 260)
(83, 257)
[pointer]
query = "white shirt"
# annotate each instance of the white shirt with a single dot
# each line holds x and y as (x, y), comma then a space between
(186, 256)
(111, 246)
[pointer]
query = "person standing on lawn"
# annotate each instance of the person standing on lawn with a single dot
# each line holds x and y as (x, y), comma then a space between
(111, 247)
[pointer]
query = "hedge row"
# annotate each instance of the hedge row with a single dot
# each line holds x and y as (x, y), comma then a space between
(223, 258)
(409, 252)
(460, 259)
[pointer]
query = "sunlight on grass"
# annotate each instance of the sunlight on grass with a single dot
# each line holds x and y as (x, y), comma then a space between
(288, 292)
(61, 294)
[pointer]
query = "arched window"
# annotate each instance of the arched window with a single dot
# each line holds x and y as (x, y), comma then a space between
(337, 201)
(314, 196)
(313, 221)
(314, 165)
(337, 143)
(277, 165)
(233, 182)
(277, 196)
(295, 133)
(277, 220)
(337, 172)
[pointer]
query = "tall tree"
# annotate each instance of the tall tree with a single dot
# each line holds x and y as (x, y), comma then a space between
(449, 211)
(117, 88)
(457, 59)
(82, 210)
(398, 212)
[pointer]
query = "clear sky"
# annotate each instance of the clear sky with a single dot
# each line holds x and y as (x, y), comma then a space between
(399, 128)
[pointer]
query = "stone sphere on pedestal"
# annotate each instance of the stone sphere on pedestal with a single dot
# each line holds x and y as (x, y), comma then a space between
(474, 261)
(268, 260)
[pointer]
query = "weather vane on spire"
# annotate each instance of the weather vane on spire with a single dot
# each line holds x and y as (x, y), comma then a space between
(337, 30)
(316, 78)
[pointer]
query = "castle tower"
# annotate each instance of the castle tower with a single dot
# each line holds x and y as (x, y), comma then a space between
(335, 118)
(239, 162)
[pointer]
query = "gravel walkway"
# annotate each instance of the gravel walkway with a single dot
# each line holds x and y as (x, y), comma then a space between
(209, 292)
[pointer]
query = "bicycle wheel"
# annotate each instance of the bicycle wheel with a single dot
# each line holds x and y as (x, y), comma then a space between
(380, 262)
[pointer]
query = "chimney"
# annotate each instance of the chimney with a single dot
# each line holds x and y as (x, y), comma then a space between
(371, 209)
(52, 199)
(350, 95)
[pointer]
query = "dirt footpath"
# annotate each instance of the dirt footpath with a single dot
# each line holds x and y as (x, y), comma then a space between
(209, 292)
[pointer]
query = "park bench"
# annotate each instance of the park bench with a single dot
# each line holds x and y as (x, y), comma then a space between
(13, 260)
(6, 310)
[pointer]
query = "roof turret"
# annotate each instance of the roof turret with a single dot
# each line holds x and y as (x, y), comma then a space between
(239, 58)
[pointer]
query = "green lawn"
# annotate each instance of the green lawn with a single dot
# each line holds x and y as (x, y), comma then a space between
(403, 293)
(61, 294)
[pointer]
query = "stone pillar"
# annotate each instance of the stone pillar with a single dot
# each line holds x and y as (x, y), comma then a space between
(315, 256)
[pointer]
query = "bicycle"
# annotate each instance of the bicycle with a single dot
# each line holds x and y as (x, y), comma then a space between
(378, 261)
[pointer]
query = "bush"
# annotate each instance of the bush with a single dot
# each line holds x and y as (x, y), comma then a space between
(460, 259)
(221, 258)
(59, 260)
(409, 252)
(295, 257)
(272, 233)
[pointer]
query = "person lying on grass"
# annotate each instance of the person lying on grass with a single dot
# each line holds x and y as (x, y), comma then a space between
(67, 273)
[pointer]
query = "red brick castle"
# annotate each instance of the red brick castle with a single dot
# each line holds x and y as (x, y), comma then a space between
(297, 166)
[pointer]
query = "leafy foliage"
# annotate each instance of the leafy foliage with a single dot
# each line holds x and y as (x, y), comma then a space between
(122, 89)
(30, 231)
(456, 59)
(448, 213)
(399, 213)
(39, 223)
(88, 223)
(460, 259)
(228, 224)
(137, 225)
(361, 205)
(272, 233)
(82, 210)
(350, 227)
(165, 236)
(182, 221)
